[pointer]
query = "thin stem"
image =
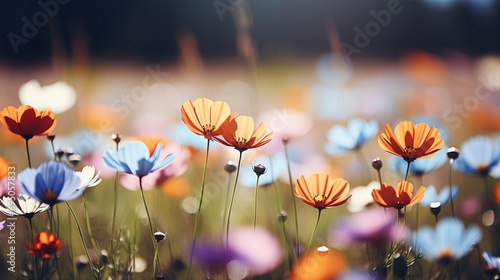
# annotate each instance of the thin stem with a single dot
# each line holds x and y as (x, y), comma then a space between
(379, 177)
(95, 246)
(198, 213)
(451, 189)
(255, 202)
(113, 217)
(226, 202)
(294, 203)
(155, 244)
(363, 165)
(92, 267)
(35, 264)
(28, 153)
(314, 231)
(70, 244)
(232, 200)
(407, 170)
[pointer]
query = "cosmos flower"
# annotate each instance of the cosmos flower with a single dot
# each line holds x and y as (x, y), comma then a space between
(479, 155)
(45, 245)
(450, 240)
(375, 226)
(88, 177)
(205, 117)
(27, 121)
(397, 198)
(421, 166)
(493, 264)
(238, 132)
(431, 195)
(23, 205)
(51, 183)
(322, 191)
(361, 197)
(343, 139)
(135, 158)
(322, 263)
(411, 141)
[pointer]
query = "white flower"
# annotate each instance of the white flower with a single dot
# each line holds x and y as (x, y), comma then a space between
(23, 205)
(361, 196)
(88, 177)
(58, 97)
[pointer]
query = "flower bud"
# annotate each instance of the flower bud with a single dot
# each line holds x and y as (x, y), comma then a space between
(230, 167)
(159, 236)
(259, 169)
(435, 208)
(116, 138)
(453, 153)
(51, 137)
(282, 216)
(377, 163)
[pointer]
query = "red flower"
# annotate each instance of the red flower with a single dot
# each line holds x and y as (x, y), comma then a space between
(27, 121)
(45, 245)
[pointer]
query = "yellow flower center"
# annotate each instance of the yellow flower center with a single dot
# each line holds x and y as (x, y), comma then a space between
(208, 127)
(241, 141)
(409, 150)
(319, 198)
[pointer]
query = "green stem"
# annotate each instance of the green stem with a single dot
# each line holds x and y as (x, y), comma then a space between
(255, 202)
(155, 244)
(226, 202)
(198, 213)
(95, 246)
(314, 231)
(70, 245)
(35, 264)
(451, 189)
(113, 222)
(28, 153)
(93, 268)
(232, 200)
(294, 203)
(407, 170)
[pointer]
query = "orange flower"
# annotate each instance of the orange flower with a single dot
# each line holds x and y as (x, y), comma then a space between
(411, 141)
(45, 245)
(322, 191)
(238, 132)
(204, 117)
(323, 263)
(402, 196)
(27, 121)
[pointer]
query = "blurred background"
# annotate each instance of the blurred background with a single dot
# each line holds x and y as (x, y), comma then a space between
(298, 66)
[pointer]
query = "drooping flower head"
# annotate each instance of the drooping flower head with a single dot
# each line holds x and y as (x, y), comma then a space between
(23, 205)
(45, 245)
(27, 121)
(479, 155)
(204, 116)
(238, 132)
(411, 141)
(322, 191)
(493, 265)
(397, 198)
(51, 183)
(134, 158)
(342, 139)
(450, 240)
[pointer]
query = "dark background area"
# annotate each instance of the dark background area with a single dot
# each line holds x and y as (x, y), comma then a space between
(147, 30)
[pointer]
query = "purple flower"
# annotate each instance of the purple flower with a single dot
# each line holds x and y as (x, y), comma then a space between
(375, 226)
(212, 256)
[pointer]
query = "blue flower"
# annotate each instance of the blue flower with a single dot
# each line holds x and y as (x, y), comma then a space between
(135, 158)
(342, 139)
(479, 156)
(51, 183)
(420, 166)
(431, 195)
(449, 241)
(493, 262)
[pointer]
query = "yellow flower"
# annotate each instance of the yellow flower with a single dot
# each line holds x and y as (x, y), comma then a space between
(322, 191)
(204, 116)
